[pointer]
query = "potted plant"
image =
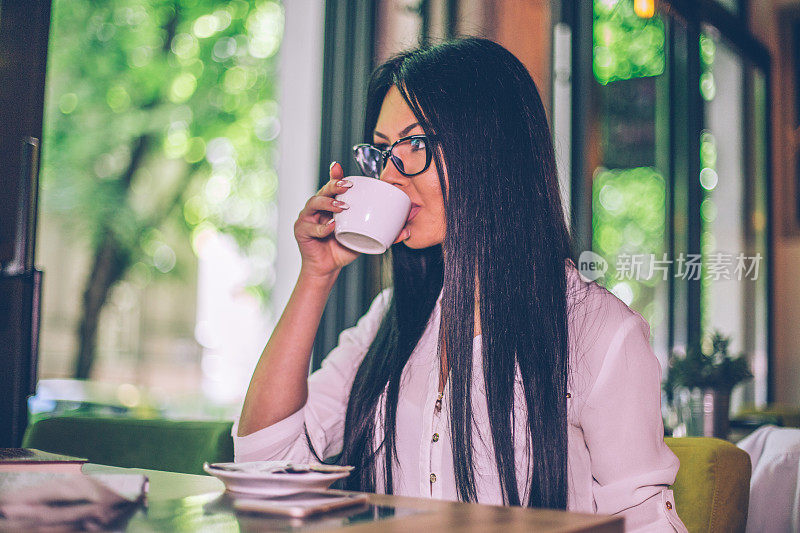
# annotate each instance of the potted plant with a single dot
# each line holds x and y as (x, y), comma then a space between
(714, 373)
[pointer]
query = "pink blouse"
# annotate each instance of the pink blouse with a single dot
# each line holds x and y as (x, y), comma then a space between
(617, 460)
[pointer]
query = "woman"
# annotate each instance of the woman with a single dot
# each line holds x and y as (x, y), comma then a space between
(490, 372)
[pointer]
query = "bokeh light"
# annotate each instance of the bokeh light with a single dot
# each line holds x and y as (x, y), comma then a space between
(625, 45)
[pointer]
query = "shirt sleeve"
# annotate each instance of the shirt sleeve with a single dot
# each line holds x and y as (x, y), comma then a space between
(320, 422)
(631, 465)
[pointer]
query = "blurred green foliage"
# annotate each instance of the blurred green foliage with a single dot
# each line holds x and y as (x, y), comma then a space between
(625, 45)
(708, 179)
(628, 204)
(160, 120)
(708, 50)
(628, 217)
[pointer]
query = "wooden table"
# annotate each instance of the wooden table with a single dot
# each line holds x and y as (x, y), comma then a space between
(184, 502)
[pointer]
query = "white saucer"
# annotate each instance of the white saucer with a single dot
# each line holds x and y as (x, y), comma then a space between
(272, 483)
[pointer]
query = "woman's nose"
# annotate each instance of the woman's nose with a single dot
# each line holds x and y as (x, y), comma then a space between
(391, 175)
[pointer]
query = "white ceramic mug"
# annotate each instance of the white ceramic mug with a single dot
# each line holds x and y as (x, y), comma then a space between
(378, 211)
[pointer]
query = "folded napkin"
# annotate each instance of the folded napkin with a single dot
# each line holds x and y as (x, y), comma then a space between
(31, 501)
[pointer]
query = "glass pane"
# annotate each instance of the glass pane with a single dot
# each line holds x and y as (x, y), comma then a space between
(733, 209)
(626, 46)
(629, 188)
(158, 211)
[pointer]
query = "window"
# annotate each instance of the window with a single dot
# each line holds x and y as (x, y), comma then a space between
(671, 172)
(157, 227)
(733, 208)
(629, 179)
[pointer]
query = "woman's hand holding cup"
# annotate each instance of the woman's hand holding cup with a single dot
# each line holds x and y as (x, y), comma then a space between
(379, 217)
(321, 253)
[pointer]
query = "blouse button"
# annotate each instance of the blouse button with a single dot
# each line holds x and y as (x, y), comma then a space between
(433, 478)
(435, 437)
(669, 505)
(569, 395)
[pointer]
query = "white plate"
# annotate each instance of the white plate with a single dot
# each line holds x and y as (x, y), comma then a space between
(272, 483)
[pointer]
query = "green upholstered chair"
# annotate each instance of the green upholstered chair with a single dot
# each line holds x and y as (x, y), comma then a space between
(175, 446)
(712, 488)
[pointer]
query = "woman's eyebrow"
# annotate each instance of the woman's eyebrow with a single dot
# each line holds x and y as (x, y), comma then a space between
(403, 132)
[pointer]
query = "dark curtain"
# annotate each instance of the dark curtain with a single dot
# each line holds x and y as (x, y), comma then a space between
(347, 64)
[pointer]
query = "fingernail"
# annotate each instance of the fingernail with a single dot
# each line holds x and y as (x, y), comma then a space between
(344, 183)
(339, 203)
(328, 223)
(331, 167)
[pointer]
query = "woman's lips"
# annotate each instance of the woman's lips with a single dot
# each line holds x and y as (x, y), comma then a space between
(414, 210)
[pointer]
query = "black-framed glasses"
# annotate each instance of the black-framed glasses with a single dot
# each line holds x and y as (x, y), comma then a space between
(410, 155)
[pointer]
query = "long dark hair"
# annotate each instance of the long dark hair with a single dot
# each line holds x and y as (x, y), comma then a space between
(504, 225)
